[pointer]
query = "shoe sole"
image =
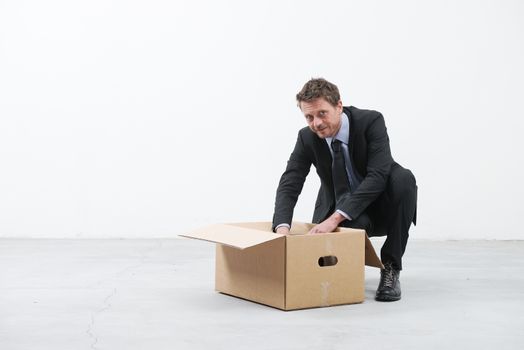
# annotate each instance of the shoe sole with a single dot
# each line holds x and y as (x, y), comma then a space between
(387, 298)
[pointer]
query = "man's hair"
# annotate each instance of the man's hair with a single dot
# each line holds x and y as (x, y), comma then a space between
(319, 87)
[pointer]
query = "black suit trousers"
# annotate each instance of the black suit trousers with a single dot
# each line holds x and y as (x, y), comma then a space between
(391, 215)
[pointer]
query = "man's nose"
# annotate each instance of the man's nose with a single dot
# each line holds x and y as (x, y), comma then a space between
(317, 122)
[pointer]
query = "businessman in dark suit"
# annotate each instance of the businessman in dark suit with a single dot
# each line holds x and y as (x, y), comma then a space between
(361, 185)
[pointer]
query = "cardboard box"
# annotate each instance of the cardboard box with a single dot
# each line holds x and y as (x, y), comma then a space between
(289, 272)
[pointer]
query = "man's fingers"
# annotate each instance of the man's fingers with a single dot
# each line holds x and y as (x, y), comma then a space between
(314, 230)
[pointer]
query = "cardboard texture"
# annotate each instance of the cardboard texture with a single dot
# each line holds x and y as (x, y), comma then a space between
(289, 272)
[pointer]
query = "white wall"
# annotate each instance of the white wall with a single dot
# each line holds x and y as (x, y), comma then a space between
(148, 118)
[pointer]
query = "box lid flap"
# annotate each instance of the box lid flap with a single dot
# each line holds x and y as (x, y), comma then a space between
(231, 235)
(371, 256)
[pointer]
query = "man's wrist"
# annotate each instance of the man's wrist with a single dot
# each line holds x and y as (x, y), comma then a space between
(344, 214)
(282, 225)
(337, 217)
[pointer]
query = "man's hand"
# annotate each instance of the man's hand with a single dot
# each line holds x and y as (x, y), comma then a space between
(328, 225)
(283, 230)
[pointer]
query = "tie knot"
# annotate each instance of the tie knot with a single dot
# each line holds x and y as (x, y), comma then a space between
(335, 145)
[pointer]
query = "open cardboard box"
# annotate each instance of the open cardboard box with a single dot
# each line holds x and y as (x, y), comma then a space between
(293, 271)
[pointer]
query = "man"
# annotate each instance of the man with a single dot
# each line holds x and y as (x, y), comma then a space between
(361, 185)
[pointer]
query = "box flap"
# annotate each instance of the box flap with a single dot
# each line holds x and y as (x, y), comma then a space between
(232, 235)
(371, 256)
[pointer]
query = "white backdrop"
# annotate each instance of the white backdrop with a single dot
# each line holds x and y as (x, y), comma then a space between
(149, 118)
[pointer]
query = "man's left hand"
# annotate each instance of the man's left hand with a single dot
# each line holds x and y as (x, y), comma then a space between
(328, 225)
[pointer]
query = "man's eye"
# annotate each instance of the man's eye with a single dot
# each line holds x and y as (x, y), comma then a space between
(322, 113)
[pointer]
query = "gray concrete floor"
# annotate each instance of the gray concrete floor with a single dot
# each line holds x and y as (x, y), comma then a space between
(158, 294)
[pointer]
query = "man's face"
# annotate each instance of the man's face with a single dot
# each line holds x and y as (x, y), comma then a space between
(322, 117)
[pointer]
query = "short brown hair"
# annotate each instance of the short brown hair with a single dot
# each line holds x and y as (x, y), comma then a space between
(319, 87)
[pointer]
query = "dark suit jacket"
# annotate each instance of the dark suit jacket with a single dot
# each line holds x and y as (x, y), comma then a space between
(371, 158)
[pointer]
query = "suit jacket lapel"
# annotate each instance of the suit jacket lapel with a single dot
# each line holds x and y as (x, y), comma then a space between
(324, 155)
(351, 133)
(325, 164)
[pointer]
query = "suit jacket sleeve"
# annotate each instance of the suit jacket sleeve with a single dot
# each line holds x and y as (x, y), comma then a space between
(291, 183)
(379, 162)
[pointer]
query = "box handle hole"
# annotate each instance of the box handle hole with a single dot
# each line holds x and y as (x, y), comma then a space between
(329, 260)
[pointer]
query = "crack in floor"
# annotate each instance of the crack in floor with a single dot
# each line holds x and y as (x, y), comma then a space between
(106, 305)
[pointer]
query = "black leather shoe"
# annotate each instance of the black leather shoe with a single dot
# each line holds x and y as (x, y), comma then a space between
(389, 286)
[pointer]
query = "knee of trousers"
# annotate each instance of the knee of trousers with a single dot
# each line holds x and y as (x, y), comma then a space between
(363, 221)
(402, 186)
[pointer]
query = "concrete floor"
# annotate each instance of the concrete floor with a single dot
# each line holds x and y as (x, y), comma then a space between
(158, 294)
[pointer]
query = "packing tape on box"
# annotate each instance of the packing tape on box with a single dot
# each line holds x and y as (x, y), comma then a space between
(324, 293)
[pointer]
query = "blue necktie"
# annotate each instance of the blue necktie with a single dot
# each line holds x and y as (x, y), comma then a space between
(340, 177)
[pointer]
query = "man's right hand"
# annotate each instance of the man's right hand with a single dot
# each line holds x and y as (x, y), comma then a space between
(283, 230)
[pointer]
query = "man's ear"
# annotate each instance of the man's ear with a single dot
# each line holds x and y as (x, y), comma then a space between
(339, 106)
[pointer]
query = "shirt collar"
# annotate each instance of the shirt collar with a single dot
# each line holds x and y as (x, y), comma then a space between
(343, 133)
